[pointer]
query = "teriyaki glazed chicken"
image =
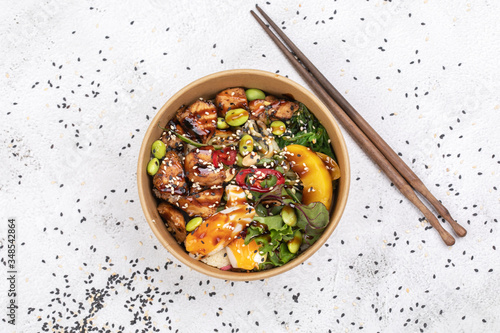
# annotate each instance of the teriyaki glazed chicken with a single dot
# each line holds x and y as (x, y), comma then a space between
(244, 181)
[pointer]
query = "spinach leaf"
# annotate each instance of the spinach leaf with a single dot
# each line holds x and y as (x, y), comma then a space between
(307, 131)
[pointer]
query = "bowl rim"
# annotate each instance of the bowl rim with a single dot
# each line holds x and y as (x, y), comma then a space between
(335, 215)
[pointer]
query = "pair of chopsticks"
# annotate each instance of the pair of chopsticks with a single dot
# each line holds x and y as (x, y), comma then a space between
(366, 137)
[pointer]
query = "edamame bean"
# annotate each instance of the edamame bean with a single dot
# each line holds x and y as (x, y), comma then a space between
(288, 215)
(246, 145)
(153, 166)
(278, 127)
(221, 123)
(159, 149)
(193, 224)
(253, 94)
(237, 117)
(294, 244)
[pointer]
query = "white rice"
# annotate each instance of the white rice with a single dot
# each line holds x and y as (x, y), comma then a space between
(218, 259)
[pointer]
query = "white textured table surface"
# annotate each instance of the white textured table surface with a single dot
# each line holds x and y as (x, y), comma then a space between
(79, 82)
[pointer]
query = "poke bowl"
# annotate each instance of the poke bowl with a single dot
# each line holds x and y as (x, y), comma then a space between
(243, 175)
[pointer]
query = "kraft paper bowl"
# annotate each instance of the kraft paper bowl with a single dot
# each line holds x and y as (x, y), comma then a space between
(207, 87)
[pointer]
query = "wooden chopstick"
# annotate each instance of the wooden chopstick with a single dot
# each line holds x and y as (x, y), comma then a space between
(358, 135)
(377, 140)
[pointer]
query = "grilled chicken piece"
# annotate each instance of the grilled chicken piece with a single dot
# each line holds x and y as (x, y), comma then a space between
(282, 110)
(169, 181)
(200, 118)
(219, 230)
(171, 140)
(271, 98)
(230, 99)
(174, 220)
(258, 109)
(202, 204)
(200, 170)
(167, 196)
(272, 109)
(224, 137)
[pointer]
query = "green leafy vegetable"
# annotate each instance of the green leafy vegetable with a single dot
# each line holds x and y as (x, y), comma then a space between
(273, 243)
(276, 193)
(255, 196)
(307, 131)
(253, 231)
(194, 143)
(269, 182)
(292, 195)
(276, 209)
(260, 210)
(284, 254)
(272, 222)
(279, 257)
(265, 241)
(199, 145)
(283, 234)
(312, 219)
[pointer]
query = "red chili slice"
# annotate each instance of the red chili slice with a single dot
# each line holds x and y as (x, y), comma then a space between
(226, 156)
(260, 176)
